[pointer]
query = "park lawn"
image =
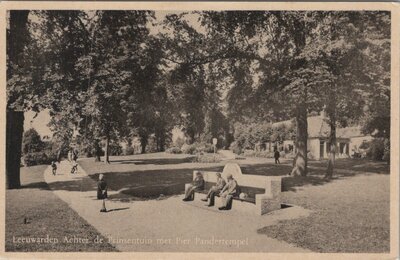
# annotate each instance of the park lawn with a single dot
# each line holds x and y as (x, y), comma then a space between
(350, 215)
(147, 176)
(46, 214)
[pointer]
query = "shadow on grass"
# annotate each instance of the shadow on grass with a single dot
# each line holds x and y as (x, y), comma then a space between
(291, 183)
(266, 169)
(36, 185)
(117, 209)
(156, 161)
(357, 165)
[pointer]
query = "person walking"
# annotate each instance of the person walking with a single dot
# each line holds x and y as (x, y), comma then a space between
(54, 167)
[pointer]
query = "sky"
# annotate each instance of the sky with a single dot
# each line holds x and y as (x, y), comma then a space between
(39, 123)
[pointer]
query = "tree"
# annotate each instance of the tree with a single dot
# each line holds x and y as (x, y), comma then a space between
(346, 50)
(32, 142)
(112, 69)
(17, 39)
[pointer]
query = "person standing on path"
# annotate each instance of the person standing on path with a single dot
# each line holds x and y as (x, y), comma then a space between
(102, 192)
(277, 155)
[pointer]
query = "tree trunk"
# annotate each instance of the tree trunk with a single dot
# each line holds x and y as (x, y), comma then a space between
(332, 137)
(16, 41)
(107, 151)
(14, 132)
(143, 144)
(300, 160)
(97, 151)
(332, 152)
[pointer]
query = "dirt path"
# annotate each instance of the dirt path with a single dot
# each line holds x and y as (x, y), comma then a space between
(168, 225)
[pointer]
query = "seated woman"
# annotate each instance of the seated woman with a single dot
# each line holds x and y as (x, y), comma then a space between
(197, 185)
(215, 190)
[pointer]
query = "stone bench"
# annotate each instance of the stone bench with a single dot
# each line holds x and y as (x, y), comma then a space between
(264, 191)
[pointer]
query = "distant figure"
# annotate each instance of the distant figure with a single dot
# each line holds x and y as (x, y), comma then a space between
(74, 168)
(70, 155)
(215, 190)
(54, 167)
(277, 155)
(74, 155)
(102, 192)
(230, 190)
(197, 184)
(59, 155)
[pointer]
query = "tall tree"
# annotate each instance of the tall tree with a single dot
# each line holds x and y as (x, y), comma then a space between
(17, 39)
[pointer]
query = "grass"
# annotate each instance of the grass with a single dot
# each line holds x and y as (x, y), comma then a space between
(350, 215)
(46, 215)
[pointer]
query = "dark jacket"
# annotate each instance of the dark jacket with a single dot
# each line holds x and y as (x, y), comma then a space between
(199, 182)
(101, 189)
(277, 155)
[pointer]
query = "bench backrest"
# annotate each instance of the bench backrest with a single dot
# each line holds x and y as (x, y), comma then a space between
(271, 184)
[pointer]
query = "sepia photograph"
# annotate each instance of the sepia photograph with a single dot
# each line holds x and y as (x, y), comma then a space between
(213, 131)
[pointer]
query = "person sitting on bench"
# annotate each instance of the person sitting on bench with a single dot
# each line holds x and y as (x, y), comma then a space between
(197, 185)
(216, 189)
(228, 192)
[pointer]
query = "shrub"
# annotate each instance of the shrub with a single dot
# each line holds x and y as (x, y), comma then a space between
(129, 150)
(205, 147)
(386, 154)
(376, 149)
(235, 148)
(189, 148)
(259, 154)
(249, 153)
(179, 142)
(38, 158)
(115, 149)
(174, 150)
(207, 158)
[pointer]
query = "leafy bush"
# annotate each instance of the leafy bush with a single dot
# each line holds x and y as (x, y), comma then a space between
(115, 149)
(189, 148)
(38, 158)
(207, 158)
(376, 149)
(31, 142)
(260, 154)
(386, 154)
(174, 150)
(235, 148)
(249, 153)
(179, 142)
(205, 147)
